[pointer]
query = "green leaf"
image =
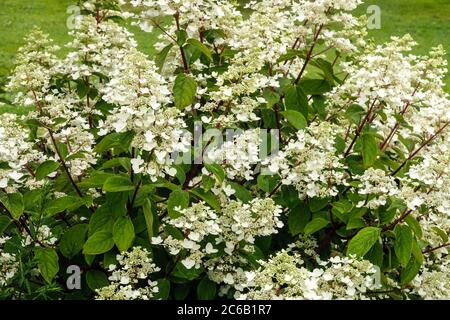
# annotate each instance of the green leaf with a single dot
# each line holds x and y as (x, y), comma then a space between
(217, 170)
(315, 225)
(45, 168)
(375, 254)
(100, 242)
(96, 279)
(161, 57)
(123, 233)
(118, 184)
(204, 49)
(62, 204)
(410, 271)
(417, 251)
(181, 37)
(119, 141)
(209, 197)
(355, 223)
(206, 289)
(441, 233)
(266, 183)
(48, 264)
(13, 202)
(184, 91)
(96, 180)
(360, 244)
(241, 193)
(117, 162)
(414, 225)
(164, 289)
(317, 204)
(326, 67)
(148, 215)
(298, 218)
(177, 198)
(403, 243)
(4, 223)
(369, 149)
(72, 241)
(295, 118)
(315, 87)
(296, 100)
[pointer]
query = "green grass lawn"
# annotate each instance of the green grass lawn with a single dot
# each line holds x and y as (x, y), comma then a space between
(428, 21)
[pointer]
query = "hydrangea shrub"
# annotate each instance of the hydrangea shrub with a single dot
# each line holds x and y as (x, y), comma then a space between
(334, 183)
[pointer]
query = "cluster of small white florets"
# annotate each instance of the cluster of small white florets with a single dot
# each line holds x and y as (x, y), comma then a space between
(133, 267)
(16, 154)
(8, 264)
(433, 282)
(42, 237)
(97, 48)
(377, 187)
(310, 162)
(384, 80)
(36, 63)
(196, 16)
(239, 154)
(283, 277)
(142, 96)
(212, 239)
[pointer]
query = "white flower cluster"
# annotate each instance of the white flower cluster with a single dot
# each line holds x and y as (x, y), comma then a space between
(239, 155)
(36, 64)
(310, 162)
(391, 85)
(433, 284)
(97, 48)
(16, 154)
(283, 277)
(8, 264)
(43, 237)
(133, 267)
(143, 95)
(377, 187)
(213, 239)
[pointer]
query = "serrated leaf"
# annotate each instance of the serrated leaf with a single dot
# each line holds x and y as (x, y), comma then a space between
(72, 241)
(206, 289)
(369, 149)
(100, 242)
(414, 225)
(241, 192)
(410, 271)
(148, 215)
(298, 218)
(217, 170)
(161, 57)
(48, 264)
(4, 223)
(363, 241)
(123, 233)
(13, 202)
(315, 225)
(118, 184)
(62, 204)
(96, 279)
(403, 243)
(295, 118)
(45, 168)
(296, 100)
(204, 49)
(184, 91)
(177, 199)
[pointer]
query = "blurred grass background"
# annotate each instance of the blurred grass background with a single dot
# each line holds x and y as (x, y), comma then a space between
(428, 21)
